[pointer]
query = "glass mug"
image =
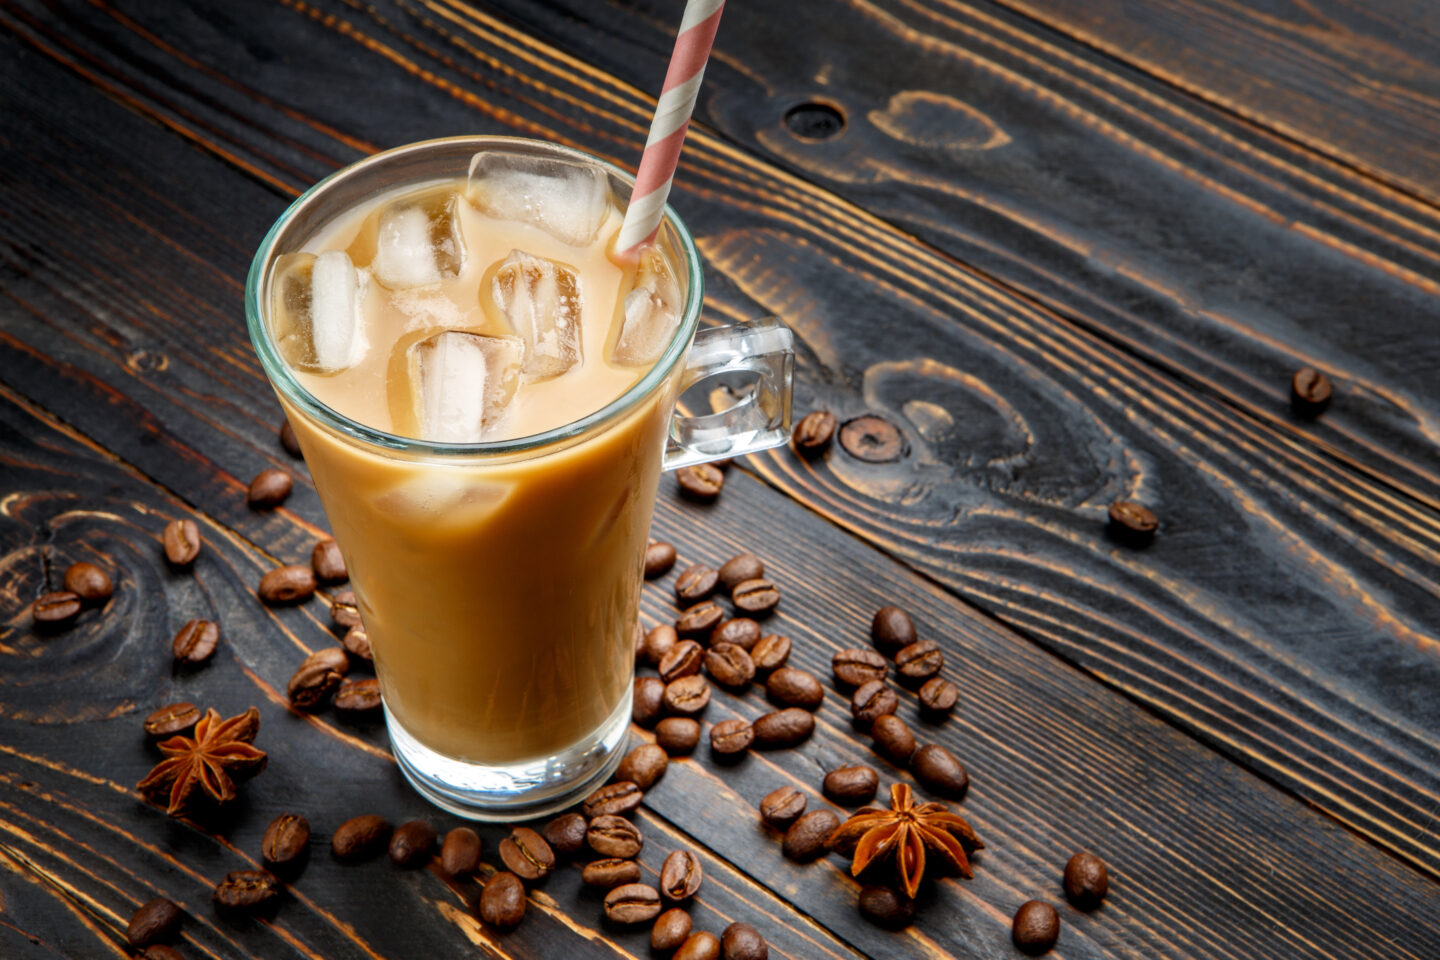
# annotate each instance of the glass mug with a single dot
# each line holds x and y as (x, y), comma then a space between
(499, 582)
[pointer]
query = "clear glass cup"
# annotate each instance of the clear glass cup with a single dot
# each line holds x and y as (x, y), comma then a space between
(499, 582)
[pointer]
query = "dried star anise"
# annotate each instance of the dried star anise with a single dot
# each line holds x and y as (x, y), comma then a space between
(213, 760)
(905, 830)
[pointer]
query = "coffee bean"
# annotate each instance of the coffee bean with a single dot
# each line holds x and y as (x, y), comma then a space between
(526, 854)
(195, 642)
(739, 568)
(813, 434)
(156, 920)
(614, 836)
(317, 678)
(358, 697)
(345, 609)
(288, 441)
(871, 701)
(682, 660)
(182, 542)
(284, 585)
(918, 662)
(1035, 928)
(88, 582)
(643, 766)
(873, 440)
(357, 643)
(1086, 880)
(670, 930)
(55, 609)
(160, 951)
(681, 875)
(688, 696)
(286, 841)
(852, 785)
(857, 666)
(659, 642)
(610, 873)
(565, 834)
(893, 738)
(649, 701)
(740, 941)
(659, 558)
(460, 853)
(783, 728)
(701, 482)
(792, 687)
(360, 838)
(730, 666)
(172, 719)
(809, 836)
(886, 907)
(780, 807)
(758, 597)
(412, 843)
(269, 488)
(731, 738)
(247, 891)
(940, 772)
(1131, 523)
(892, 629)
(632, 903)
(696, 582)
(502, 901)
(677, 735)
(1310, 392)
(613, 799)
(741, 631)
(328, 564)
(699, 946)
(938, 697)
(698, 621)
(771, 653)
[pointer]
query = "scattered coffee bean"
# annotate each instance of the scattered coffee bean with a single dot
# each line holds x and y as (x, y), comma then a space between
(919, 662)
(269, 488)
(870, 702)
(502, 901)
(357, 643)
(154, 921)
(643, 766)
(55, 609)
(893, 739)
(699, 946)
(741, 631)
(891, 630)
(613, 799)
(740, 941)
(852, 785)
(614, 836)
(808, 837)
(731, 738)
(681, 875)
(633, 902)
(940, 772)
(286, 841)
(360, 838)
(659, 642)
(289, 584)
(813, 434)
(758, 597)
(88, 582)
(526, 854)
(317, 678)
(730, 666)
(345, 609)
(682, 660)
(288, 441)
(182, 542)
(659, 558)
(771, 653)
(792, 687)
(195, 642)
(696, 582)
(160, 951)
(649, 702)
(172, 719)
(1086, 880)
(678, 735)
(739, 568)
(610, 873)
(781, 807)
(688, 696)
(783, 728)
(938, 697)
(886, 907)
(460, 853)
(872, 439)
(358, 697)
(247, 891)
(1131, 523)
(565, 834)
(1036, 927)
(701, 482)
(670, 930)
(857, 666)
(697, 622)
(328, 564)
(411, 844)
(1310, 392)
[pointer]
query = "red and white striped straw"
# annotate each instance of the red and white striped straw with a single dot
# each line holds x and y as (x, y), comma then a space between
(667, 130)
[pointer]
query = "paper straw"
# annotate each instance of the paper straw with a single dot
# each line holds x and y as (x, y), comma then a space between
(667, 130)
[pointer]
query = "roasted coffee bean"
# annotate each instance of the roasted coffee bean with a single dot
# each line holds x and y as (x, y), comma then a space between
(1035, 928)
(55, 609)
(682, 660)
(741, 631)
(565, 834)
(872, 439)
(195, 642)
(88, 582)
(782, 806)
(632, 903)
(758, 597)
(701, 482)
(643, 766)
(681, 875)
(286, 841)
(659, 642)
(938, 697)
(360, 838)
(610, 873)
(612, 836)
(939, 771)
(813, 434)
(288, 441)
(697, 622)
(688, 696)
(412, 843)
(670, 930)
(696, 582)
(809, 836)
(156, 920)
(659, 558)
(893, 739)
(919, 662)
(886, 907)
(731, 738)
(1131, 523)
(857, 666)
(247, 891)
(740, 941)
(739, 568)
(502, 901)
(285, 585)
(792, 687)
(871, 701)
(269, 488)
(678, 735)
(357, 697)
(172, 719)
(160, 951)
(783, 728)
(317, 678)
(526, 854)
(730, 666)
(182, 542)
(771, 653)
(852, 785)
(1086, 880)
(891, 630)
(460, 853)
(613, 799)
(699, 946)
(1310, 392)
(648, 704)
(328, 564)
(357, 643)
(345, 609)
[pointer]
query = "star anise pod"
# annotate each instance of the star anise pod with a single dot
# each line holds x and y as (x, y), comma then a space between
(213, 760)
(905, 831)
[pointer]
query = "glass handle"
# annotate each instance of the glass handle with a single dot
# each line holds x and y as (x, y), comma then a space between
(755, 361)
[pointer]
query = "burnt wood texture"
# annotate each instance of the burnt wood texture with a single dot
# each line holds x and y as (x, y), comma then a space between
(1072, 252)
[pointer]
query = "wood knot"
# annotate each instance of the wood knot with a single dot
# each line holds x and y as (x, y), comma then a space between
(873, 439)
(815, 120)
(143, 361)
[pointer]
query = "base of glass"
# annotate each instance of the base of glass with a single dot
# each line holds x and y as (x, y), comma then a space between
(479, 791)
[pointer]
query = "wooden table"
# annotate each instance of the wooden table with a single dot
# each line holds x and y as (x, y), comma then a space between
(1073, 251)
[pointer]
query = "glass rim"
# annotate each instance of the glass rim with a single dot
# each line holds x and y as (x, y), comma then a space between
(286, 383)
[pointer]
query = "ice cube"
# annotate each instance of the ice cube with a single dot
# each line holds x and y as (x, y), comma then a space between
(434, 491)
(418, 241)
(317, 320)
(567, 199)
(652, 311)
(463, 383)
(541, 299)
